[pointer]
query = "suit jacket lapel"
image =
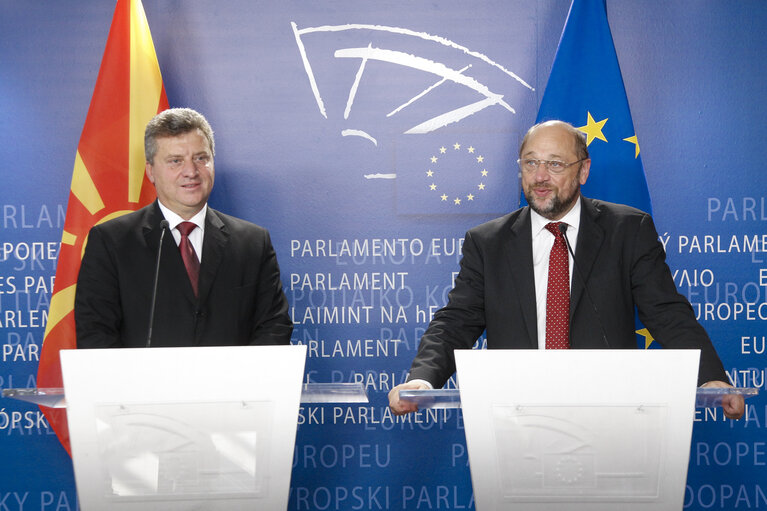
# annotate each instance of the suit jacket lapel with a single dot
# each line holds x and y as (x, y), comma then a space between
(213, 248)
(171, 265)
(150, 226)
(590, 239)
(172, 270)
(520, 255)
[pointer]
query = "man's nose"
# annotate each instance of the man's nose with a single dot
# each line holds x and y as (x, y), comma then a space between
(189, 168)
(541, 172)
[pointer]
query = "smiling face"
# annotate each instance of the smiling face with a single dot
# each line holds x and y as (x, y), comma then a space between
(550, 195)
(182, 172)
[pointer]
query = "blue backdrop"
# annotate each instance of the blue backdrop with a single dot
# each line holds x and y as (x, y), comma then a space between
(329, 116)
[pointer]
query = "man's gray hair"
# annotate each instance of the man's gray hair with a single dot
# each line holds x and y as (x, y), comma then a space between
(172, 123)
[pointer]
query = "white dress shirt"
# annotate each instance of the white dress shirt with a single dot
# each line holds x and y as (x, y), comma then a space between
(196, 236)
(543, 240)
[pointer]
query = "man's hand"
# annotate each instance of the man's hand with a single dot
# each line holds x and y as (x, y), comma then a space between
(399, 407)
(733, 405)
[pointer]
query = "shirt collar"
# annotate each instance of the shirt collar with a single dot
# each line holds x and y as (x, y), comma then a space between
(572, 218)
(173, 219)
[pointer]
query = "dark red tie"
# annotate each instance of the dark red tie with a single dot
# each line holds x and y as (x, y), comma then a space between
(188, 254)
(558, 293)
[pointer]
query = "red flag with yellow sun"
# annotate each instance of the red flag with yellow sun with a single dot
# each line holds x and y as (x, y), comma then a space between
(108, 179)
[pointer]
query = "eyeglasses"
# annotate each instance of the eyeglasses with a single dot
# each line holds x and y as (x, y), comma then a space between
(552, 166)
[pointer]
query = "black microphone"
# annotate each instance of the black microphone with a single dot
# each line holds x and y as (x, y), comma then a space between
(164, 225)
(563, 230)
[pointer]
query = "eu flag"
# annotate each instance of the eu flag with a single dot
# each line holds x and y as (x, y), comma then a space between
(586, 89)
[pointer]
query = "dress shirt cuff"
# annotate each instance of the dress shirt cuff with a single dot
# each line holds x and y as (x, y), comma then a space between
(422, 381)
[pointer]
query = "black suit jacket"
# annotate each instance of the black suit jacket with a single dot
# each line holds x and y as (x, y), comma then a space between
(622, 262)
(240, 302)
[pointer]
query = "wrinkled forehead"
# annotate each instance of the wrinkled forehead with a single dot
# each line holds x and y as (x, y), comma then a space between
(549, 141)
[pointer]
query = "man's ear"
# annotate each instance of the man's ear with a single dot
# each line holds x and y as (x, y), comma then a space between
(149, 172)
(583, 174)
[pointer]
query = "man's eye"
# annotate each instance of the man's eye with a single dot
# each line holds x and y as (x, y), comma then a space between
(531, 163)
(556, 165)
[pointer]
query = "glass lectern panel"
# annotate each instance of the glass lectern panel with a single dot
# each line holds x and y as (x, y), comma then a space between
(450, 398)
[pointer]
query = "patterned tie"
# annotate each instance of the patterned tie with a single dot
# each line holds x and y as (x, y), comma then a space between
(558, 293)
(188, 254)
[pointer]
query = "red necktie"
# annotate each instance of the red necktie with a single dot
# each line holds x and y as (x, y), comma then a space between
(558, 293)
(188, 254)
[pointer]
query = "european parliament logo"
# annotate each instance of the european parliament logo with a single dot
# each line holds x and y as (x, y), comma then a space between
(439, 118)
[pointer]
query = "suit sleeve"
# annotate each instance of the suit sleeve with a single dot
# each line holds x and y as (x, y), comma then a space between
(271, 322)
(455, 326)
(666, 313)
(98, 313)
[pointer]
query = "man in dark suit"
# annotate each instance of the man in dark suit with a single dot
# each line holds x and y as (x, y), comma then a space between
(503, 284)
(231, 295)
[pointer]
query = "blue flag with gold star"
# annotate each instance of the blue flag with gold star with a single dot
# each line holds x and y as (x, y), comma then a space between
(586, 89)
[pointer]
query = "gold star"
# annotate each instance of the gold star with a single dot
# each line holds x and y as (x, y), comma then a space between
(634, 141)
(593, 129)
(471, 149)
(429, 172)
(443, 197)
(648, 339)
(456, 146)
(456, 201)
(480, 159)
(481, 186)
(484, 172)
(470, 197)
(442, 150)
(434, 159)
(432, 186)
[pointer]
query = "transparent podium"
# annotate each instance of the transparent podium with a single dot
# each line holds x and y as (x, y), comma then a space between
(209, 428)
(576, 429)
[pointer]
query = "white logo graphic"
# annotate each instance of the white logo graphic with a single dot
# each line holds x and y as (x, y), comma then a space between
(368, 55)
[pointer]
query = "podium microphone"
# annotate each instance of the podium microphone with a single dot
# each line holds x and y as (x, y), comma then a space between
(164, 225)
(563, 230)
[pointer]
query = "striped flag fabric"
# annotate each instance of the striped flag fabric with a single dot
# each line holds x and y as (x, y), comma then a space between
(108, 179)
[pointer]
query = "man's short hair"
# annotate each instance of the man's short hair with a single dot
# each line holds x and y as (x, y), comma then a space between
(579, 138)
(172, 123)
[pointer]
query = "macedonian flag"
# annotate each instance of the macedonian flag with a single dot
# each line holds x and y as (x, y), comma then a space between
(108, 179)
